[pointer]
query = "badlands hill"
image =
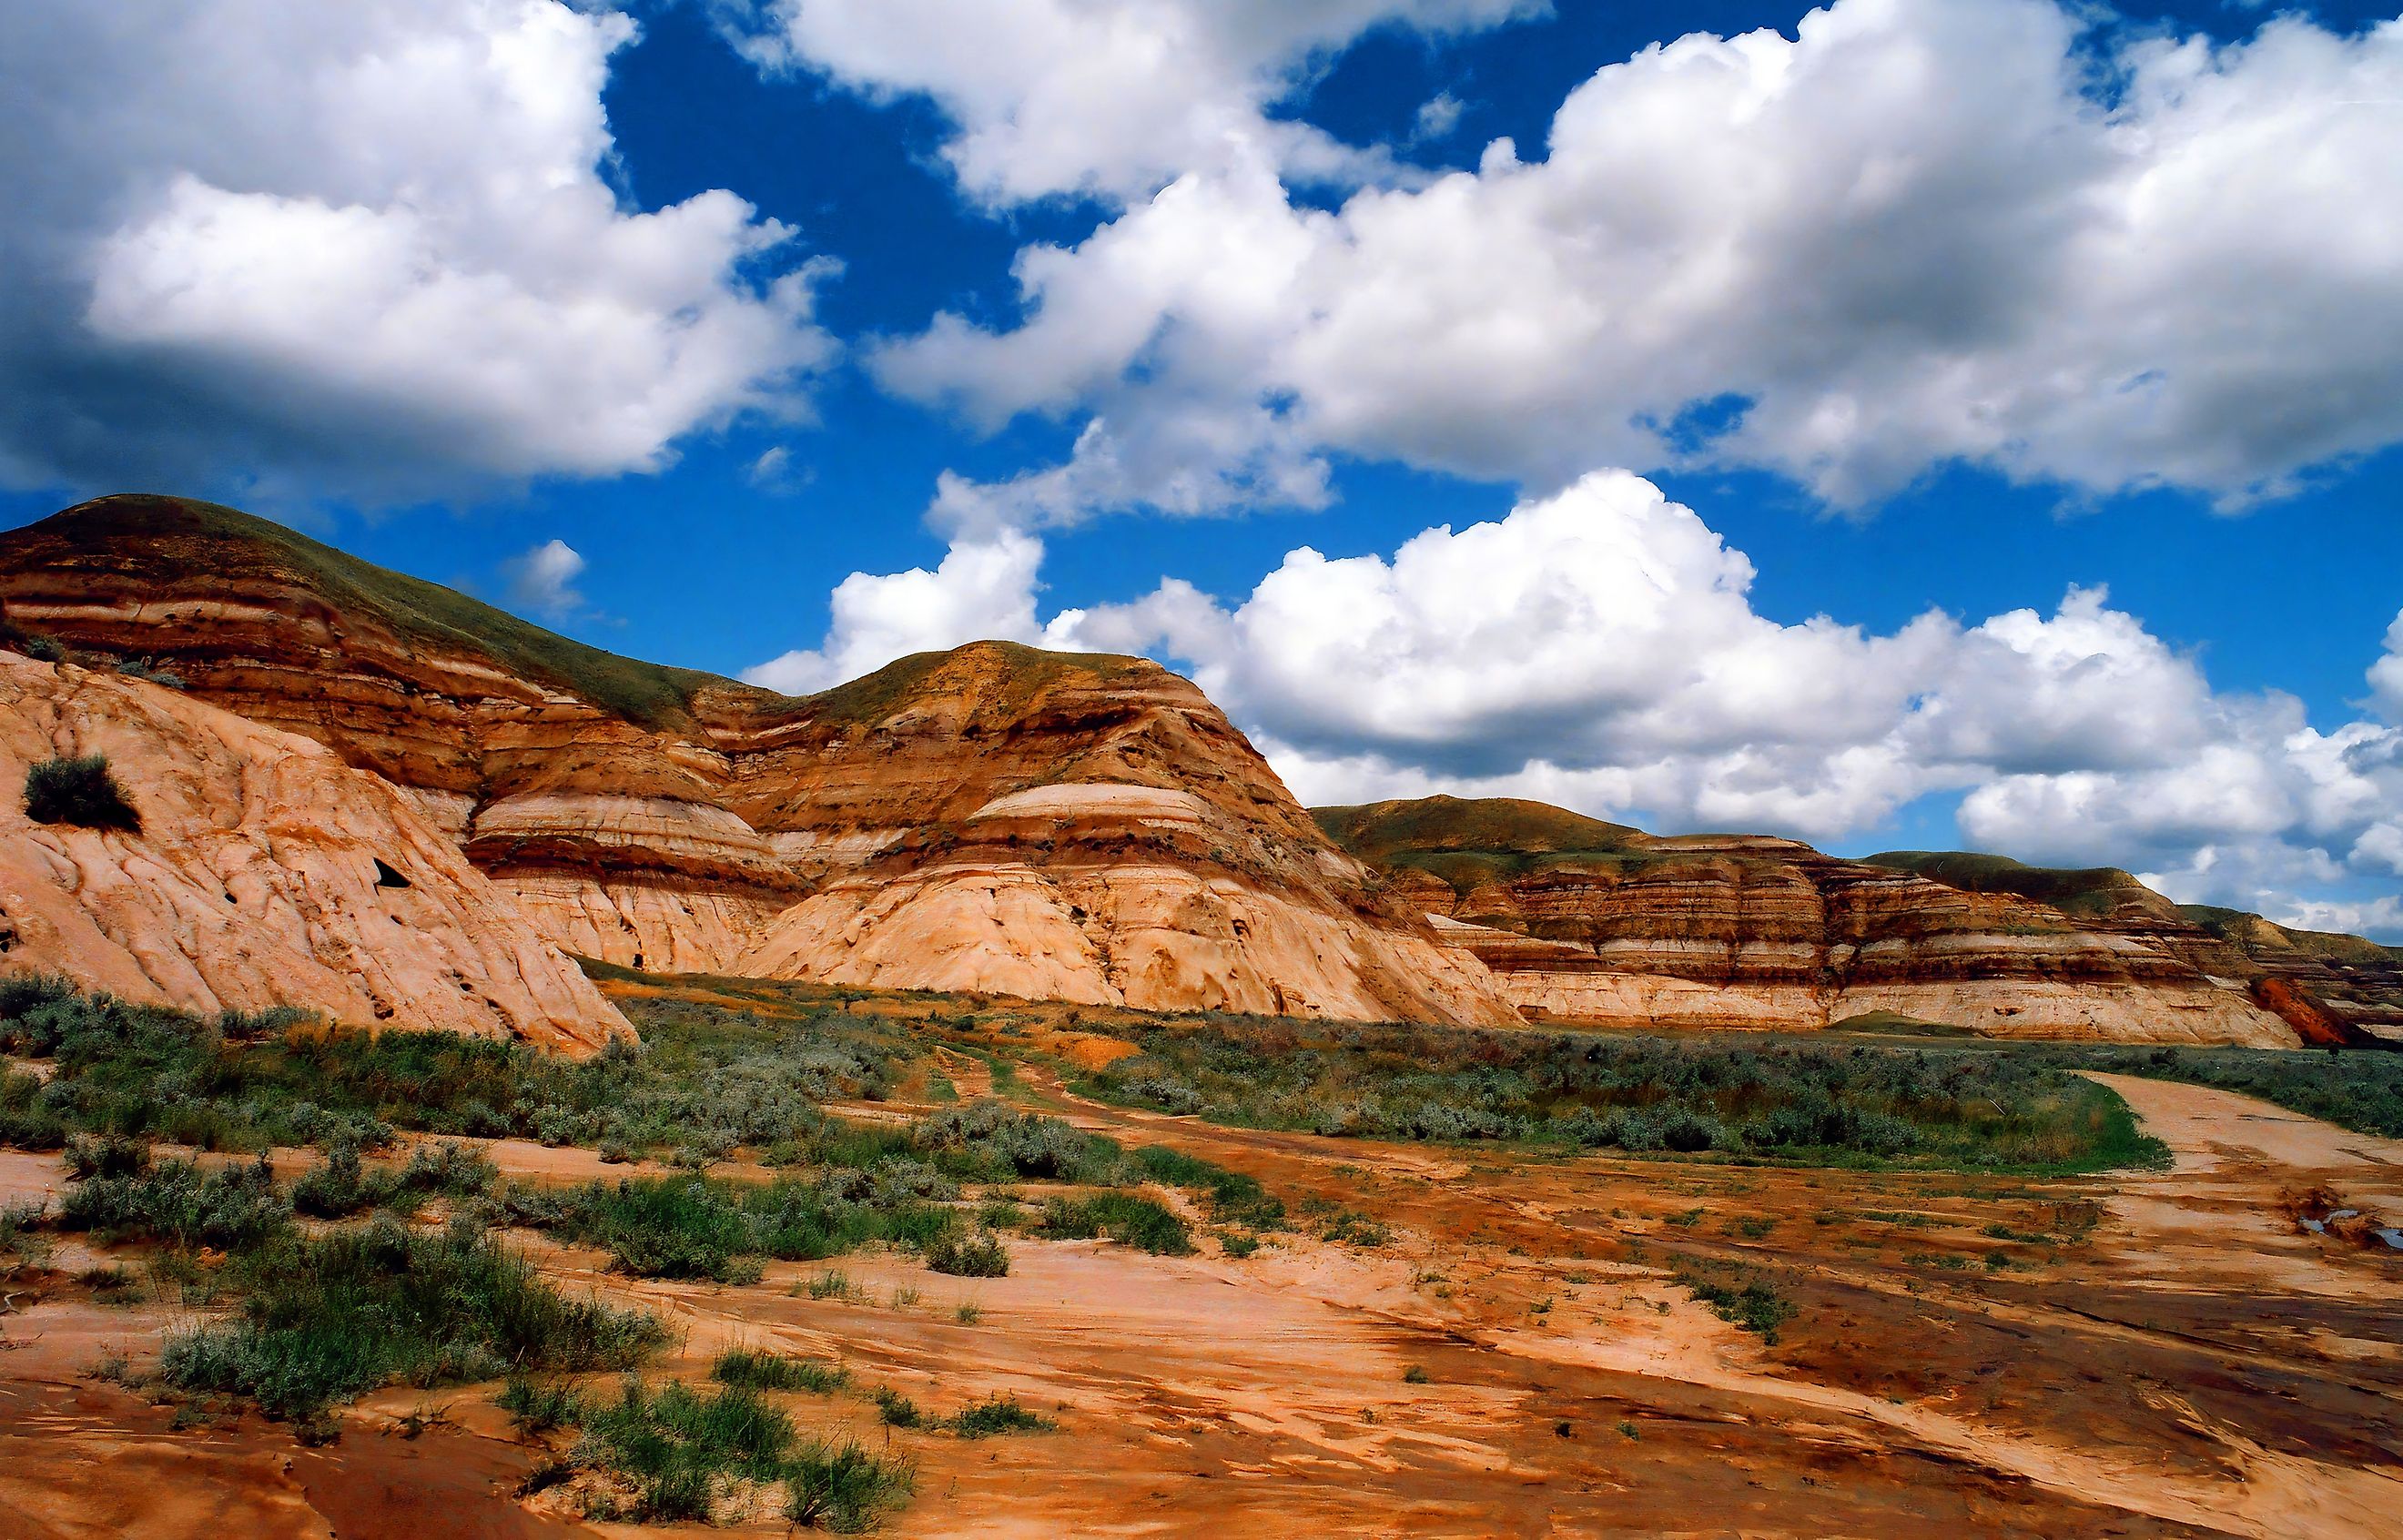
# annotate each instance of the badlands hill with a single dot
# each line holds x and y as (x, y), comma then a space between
(1078, 828)
(262, 872)
(1588, 922)
(994, 819)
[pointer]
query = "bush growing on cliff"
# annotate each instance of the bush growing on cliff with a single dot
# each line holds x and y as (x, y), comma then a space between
(144, 668)
(81, 792)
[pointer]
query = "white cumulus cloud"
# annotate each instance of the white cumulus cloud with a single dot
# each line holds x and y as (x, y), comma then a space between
(984, 590)
(1916, 231)
(1102, 98)
(366, 247)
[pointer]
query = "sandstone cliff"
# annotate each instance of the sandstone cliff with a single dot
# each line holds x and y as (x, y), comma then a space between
(991, 819)
(1588, 922)
(265, 872)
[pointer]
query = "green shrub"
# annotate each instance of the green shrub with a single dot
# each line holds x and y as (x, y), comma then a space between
(979, 1257)
(79, 792)
(704, 1076)
(762, 1370)
(674, 1445)
(987, 1140)
(329, 1318)
(1754, 1306)
(897, 1409)
(146, 669)
(176, 1201)
(1970, 1105)
(996, 1414)
(1125, 1218)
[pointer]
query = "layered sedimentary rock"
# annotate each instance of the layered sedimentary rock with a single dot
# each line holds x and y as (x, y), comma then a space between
(2334, 989)
(1588, 922)
(264, 872)
(995, 818)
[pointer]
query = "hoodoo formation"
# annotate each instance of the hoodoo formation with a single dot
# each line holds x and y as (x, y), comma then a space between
(1069, 826)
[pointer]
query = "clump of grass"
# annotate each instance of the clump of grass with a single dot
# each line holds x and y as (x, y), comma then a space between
(974, 1257)
(1351, 1227)
(81, 792)
(675, 1446)
(329, 1318)
(763, 1371)
(540, 1407)
(1414, 1374)
(1238, 1245)
(1230, 1197)
(830, 1285)
(897, 1409)
(1754, 1306)
(968, 1314)
(997, 1414)
(843, 1488)
(1128, 1219)
(693, 1226)
(114, 1285)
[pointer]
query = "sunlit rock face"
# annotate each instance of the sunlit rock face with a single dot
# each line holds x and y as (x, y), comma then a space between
(263, 872)
(1587, 922)
(995, 818)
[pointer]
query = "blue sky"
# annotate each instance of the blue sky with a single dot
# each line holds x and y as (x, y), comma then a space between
(1929, 349)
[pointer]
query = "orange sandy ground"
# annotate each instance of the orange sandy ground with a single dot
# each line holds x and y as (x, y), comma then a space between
(2176, 1358)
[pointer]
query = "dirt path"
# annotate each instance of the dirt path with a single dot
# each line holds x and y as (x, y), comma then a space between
(2242, 1167)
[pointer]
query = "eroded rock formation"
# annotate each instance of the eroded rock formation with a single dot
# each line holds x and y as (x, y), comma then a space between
(1092, 828)
(991, 819)
(265, 872)
(1588, 922)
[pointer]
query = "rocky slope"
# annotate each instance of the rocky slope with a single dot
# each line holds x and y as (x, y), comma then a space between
(264, 872)
(2332, 987)
(995, 818)
(1588, 922)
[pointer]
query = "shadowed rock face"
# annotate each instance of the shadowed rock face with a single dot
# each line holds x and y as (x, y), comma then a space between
(995, 818)
(1590, 921)
(264, 872)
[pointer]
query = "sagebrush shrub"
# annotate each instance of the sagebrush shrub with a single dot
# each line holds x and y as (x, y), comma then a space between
(80, 792)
